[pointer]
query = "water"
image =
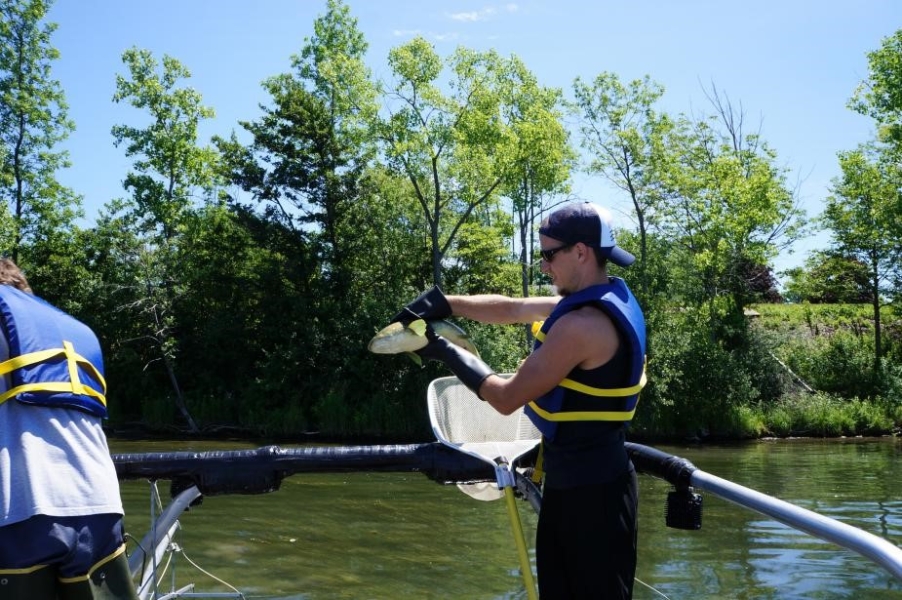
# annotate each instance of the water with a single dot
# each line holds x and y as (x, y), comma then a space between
(401, 535)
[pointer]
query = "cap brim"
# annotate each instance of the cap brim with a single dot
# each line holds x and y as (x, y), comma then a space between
(620, 257)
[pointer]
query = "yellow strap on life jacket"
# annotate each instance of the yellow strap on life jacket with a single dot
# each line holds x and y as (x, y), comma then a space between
(74, 385)
(539, 471)
(537, 330)
(595, 415)
(605, 392)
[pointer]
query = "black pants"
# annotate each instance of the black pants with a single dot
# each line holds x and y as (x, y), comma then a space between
(586, 541)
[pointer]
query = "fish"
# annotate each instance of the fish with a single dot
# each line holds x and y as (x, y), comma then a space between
(398, 338)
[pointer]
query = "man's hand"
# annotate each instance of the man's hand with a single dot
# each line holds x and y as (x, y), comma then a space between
(467, 367)
(431, 305)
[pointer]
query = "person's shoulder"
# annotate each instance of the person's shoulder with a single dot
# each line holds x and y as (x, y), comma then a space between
(587, 319)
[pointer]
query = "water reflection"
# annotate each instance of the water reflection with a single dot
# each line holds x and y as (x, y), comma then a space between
(394, 535)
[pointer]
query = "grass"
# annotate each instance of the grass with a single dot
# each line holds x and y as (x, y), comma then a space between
(808, 337)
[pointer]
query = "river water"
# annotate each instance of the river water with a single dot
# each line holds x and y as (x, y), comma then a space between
(401, 535)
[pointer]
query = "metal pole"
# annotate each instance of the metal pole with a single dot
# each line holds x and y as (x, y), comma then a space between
(871, 546)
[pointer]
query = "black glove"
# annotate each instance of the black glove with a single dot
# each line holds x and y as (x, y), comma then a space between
(429, 306)
(469, 368)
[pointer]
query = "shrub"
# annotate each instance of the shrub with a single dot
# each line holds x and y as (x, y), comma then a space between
(778, 419)
(869, 417)
(703, 375)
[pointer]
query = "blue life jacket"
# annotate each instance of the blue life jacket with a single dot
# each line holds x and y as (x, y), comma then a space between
(614, 404)
(54, 359)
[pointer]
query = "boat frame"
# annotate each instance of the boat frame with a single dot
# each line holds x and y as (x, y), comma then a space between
(196, 474)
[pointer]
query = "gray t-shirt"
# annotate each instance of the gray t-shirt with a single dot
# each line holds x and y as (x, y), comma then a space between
(53, 461)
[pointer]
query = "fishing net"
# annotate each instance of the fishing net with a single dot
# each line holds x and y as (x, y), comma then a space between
(464, 422)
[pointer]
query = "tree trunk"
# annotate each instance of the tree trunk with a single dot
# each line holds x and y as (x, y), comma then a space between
(878, 351)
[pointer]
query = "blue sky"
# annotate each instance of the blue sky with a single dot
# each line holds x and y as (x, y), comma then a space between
(792, 65)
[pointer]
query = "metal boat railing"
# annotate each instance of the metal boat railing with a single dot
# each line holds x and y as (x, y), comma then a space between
(261, 470)
(685, 476)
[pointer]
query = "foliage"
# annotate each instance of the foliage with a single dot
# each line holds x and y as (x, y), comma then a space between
(829, 278)
(169, 169)
(841, 363)
(826, 415)
(624, 138)
(37, 213)
(864, 218)
(880, 95)
(542, 165)
(725, 199)
(863, 214)
(818, 318)
(311, 147)
(699, 377)
(830, 347)
(697, 388)
(483, 266)
(760, 283)
(237, 285)
(460, 150)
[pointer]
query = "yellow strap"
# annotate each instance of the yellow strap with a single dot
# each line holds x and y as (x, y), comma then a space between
(606, 392)
(22, 571)
(51, 386)
(589, 390)
(72, 367)
(595, 415)
(74, 385)
(538, 472)
(110, 557)
(537, 331)
(26, 360)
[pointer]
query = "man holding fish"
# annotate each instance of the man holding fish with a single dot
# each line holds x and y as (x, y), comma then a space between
(580, 386)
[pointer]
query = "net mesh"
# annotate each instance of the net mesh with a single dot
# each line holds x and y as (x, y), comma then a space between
(463, 421)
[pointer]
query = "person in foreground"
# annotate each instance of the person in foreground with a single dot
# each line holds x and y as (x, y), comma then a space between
(580, 387)
(61, 527)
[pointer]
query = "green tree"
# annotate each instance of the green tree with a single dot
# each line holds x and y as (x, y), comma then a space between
(316, 137)
(171, 175)
(829, 278)
(862, 214)
(456, 149)
(542, 164)
(623, 136)
(309, 170)
(880, 95)
(38, 212)
(169, 168)
(726, 201)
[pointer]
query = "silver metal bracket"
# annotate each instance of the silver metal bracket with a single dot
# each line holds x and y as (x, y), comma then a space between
(504, 476)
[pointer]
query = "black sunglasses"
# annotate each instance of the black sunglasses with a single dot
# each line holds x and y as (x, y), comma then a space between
(548, 255)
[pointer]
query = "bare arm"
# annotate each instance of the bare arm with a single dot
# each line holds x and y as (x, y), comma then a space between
(502, 310)
(586, 338)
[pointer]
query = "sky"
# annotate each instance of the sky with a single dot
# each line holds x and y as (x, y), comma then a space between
(790, 65)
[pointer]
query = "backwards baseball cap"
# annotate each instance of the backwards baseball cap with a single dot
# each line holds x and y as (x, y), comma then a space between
(587, 223)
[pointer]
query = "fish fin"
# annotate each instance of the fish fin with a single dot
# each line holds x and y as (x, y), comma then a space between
(418, 327)
(415, 358)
